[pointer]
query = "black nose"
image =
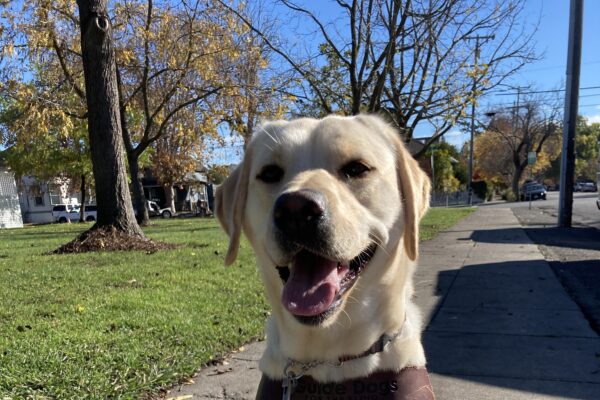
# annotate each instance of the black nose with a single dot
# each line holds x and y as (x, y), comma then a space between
(298, 214)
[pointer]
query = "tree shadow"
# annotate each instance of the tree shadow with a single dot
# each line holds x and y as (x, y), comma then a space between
(575, 238)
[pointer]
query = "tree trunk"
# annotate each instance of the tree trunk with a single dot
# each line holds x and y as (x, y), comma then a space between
(106, 143)
(82, 189)
(139, 197)
(133, 157)
(519, 168)
(170, 197)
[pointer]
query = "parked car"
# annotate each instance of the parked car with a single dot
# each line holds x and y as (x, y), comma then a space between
(65, 212)
(154, 210)
(62, 213)
(585, 186)
(533, 191)
(91, 212)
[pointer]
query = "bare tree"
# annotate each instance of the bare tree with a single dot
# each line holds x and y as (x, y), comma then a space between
(411, 60)
(524, 129)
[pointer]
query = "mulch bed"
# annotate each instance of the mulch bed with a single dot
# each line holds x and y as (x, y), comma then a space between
(111, 239)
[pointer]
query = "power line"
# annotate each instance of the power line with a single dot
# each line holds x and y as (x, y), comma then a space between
(547, 91)
(509, 104)
(555, 67)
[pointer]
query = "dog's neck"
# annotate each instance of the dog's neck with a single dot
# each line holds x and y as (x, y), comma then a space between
(297, 368)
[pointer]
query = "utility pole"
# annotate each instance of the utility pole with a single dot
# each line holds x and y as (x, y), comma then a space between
(515, 126)
(473, 89)
(567, 164)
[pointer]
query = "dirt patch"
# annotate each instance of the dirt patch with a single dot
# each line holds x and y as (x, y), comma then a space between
(111, 239)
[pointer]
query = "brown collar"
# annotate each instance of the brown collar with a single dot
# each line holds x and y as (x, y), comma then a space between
(297, 369)
(408, 384)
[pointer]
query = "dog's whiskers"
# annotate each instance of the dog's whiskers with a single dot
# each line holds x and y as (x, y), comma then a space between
(349, 319)
(379, 243)
(273, 138)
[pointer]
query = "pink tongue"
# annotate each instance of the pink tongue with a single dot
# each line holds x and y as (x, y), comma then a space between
(313, 283)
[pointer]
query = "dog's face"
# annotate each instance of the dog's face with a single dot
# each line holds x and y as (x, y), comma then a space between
(320, 202)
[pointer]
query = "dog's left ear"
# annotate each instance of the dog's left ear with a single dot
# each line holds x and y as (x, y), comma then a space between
(230, 201)
(414, 189)
(413, 183)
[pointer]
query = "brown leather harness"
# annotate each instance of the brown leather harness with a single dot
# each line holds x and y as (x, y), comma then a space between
(407, 384)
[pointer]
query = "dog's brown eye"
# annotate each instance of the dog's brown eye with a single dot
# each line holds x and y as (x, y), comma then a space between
(270, 174)
(354, 169)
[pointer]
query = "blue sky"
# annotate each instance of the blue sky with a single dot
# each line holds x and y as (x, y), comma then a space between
(550, 72)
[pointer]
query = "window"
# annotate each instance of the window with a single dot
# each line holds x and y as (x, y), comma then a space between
(39, 200)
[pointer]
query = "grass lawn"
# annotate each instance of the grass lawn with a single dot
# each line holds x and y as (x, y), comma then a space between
(440, 219)
(119, 325)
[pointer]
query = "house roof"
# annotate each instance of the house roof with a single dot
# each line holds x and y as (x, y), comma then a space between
(195, 177)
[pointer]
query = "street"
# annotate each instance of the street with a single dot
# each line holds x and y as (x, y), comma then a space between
(585, 210)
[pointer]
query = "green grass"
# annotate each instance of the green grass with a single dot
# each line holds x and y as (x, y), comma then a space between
(439, 219)
(115, 325)
(124, 324)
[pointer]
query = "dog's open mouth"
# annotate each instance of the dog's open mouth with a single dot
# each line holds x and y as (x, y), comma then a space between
(314, 285)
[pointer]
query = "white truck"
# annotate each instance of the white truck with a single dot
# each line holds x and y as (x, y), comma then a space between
(62, 213)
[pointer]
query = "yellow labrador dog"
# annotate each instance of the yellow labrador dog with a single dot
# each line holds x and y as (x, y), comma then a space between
(331, 208)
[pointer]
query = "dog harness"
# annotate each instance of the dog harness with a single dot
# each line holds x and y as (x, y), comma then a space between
(407, 384)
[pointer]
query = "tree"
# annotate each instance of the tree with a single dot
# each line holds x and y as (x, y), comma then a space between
(586, 149)
(183, 59)
(170, 56)
(106, 145)
(445, 157)
(409, 60)
(176, 154)
(44, 141)
(501, 151)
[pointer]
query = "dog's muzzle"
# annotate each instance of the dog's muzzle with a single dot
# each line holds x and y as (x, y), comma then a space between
(314, 286)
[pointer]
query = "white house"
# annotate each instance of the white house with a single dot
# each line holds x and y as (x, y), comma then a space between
(10, 209)
(38, 198)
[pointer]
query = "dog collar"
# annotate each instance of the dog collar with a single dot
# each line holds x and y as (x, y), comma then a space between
(294, 369)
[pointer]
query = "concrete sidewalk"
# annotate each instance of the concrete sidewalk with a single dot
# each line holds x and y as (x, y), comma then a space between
(501, 326)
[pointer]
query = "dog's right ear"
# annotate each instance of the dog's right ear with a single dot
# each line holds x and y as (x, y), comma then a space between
(230, 201)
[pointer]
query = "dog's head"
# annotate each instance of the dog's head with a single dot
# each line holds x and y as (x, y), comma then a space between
(319, 201)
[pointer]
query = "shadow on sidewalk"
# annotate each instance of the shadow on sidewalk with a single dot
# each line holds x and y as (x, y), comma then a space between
(511, 325)
(576, 238)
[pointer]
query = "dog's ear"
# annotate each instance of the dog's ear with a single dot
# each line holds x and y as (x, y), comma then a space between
(230, 201)
(414, 188)
(413, 183)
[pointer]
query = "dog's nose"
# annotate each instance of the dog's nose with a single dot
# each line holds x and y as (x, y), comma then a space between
(298, 214)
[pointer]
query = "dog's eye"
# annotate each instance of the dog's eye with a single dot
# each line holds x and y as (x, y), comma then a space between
(354, 169)
(270, 174)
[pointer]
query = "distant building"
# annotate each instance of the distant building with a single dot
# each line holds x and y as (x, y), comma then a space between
(37, 198)
(190, 195)
(10, 209)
